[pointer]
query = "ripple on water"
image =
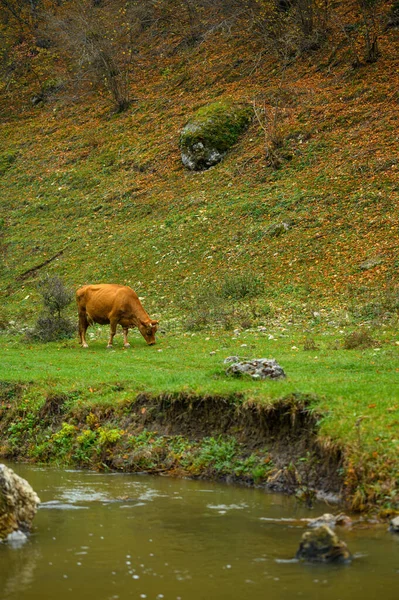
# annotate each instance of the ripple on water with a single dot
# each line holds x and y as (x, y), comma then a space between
(223, 508)
(86, 494)
(56, 504)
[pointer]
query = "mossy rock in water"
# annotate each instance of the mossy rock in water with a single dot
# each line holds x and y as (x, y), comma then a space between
(323, 546)
(211, 132)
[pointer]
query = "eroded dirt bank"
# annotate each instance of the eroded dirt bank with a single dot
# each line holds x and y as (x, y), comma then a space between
(285, 432)
(275, 446)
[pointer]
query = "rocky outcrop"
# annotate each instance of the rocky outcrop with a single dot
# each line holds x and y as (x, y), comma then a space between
(18, 504)
(256, 368)
(321, 545)
(210, 133)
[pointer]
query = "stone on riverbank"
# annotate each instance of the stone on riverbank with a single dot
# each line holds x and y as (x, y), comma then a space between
(18, 504)
(394, 525)
(323, 546)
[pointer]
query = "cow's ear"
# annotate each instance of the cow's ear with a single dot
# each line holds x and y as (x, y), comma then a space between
(154, 323)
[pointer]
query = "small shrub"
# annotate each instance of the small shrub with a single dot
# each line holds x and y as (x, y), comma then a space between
(359, 339)
(241, 286)
(107, 437)
(266, 310)
(215, 454)
(51, 325)
(50, 328)
(207, 309)
(55, 295)
(246, 322)
(86, 443)
(310, 344)
(64, 439)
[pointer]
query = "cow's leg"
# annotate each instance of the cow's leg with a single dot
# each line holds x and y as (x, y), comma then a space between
(125, 342)
(83, 325)
(112, 332)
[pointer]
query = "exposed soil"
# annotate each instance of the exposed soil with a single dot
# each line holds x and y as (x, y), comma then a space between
(287, 429)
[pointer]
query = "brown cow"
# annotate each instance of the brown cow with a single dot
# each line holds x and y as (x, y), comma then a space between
(114, 304)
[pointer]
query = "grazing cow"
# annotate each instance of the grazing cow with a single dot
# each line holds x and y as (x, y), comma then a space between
(109, 303)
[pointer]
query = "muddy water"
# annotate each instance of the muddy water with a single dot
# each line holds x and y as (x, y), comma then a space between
(113, 536)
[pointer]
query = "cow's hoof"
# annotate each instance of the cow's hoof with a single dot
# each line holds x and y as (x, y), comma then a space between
(110, 347)
(126, 345)
(85, 345)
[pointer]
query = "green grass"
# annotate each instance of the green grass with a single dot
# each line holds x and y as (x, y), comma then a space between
(347, 384)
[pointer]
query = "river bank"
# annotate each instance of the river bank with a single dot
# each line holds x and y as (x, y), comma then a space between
(329, 429)
(276, 447)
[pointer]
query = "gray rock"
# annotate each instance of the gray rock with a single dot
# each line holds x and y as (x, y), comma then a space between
(16, 539)
(277, 229)
(370, 263)
(394, 525)
(321, 545)
(18, 503)
(231, 359)
(256, 368)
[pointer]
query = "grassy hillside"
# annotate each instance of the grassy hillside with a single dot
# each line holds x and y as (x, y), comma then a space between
(108, 194)
(308, 250)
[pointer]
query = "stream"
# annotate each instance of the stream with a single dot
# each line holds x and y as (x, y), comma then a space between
(120, 536)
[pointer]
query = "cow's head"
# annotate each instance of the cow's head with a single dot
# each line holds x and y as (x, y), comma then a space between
(148, 331)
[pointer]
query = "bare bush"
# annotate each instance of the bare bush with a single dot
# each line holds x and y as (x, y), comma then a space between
(98, 38)
(269, 120)
(55, 295)
(49, 328)
(290, 28)
(51, 325)
(238, 287)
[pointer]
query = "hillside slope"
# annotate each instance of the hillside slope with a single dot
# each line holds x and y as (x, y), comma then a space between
(94, 196)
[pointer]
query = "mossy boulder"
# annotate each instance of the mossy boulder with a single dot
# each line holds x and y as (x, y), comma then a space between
(323, 546)
(211, 132)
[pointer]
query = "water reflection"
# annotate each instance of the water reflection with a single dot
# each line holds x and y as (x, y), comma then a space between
(18, 565)
(127, 536)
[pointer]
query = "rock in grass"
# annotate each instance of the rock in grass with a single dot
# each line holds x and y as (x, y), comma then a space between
(321, 545)
(277, 229)
(256, 368)
(370, 263)
(18, 504)
(394, 525)
(211, 132)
